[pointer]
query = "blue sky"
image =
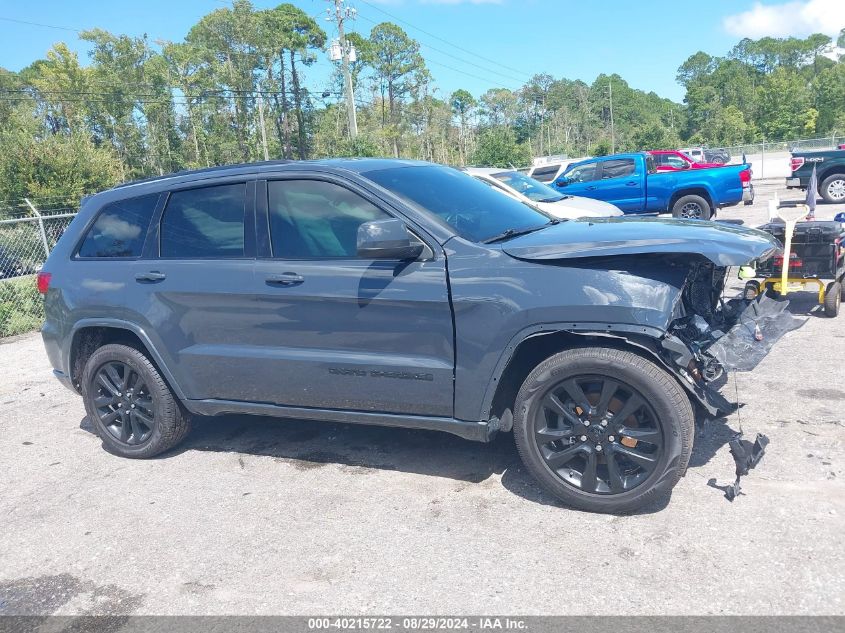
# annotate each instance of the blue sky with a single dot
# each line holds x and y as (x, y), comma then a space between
(644, 41)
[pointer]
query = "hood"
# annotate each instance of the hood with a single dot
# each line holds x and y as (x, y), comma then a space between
(723, 244)
(577, 207)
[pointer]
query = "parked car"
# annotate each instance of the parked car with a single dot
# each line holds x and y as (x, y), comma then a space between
(396, 293)
(10, 266)
(830, 173)
(547, 169)
(632, 183)
(673, 160)
(525, 189)
(719, 156)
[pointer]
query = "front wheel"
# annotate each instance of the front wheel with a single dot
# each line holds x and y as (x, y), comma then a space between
(602, 429)
(129, 403)
(692, 208)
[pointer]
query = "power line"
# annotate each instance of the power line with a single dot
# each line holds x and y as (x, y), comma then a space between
(460, 48)
(460, 59)
(46, 26)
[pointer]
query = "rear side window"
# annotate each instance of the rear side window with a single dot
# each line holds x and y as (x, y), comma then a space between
(207, 222)
(546, 173)
(120, 228)
(617, 168)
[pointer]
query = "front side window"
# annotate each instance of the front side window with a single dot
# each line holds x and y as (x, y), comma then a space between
(120, 228)
(617, 168)
(314, 219)
(204, 223)
(582, 173)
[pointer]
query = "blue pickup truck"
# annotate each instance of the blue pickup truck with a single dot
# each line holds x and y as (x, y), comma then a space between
(632, 183)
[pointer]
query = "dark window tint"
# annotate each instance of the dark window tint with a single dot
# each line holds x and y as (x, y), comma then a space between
(473, 209)
(120, 228)
(617, 168)
(583, 173)
(206, 222)
(546, 173)
(315, 219)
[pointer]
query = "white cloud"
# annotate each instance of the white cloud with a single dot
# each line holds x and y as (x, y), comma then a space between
(797, 18)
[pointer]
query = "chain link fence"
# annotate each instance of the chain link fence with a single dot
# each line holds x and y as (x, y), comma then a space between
(27, 235)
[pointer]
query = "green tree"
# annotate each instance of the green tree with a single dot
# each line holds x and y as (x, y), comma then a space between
(497, 147)
(398, 66)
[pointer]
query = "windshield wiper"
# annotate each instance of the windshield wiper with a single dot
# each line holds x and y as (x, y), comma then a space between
(509, 233)
(555, 199)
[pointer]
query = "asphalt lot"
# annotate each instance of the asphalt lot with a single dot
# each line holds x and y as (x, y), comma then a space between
(266, 516)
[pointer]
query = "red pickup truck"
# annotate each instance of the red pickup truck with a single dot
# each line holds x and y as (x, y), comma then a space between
(673, 160)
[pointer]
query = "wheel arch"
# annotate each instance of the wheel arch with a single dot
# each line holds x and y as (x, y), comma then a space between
(692, 191)
(530, 348)
(90, 334)
(834, 170)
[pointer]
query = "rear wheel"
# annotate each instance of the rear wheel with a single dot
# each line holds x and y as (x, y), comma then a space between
(833, 188)
(691, 208)
(602, 429)
(832, 298)
(131, 407)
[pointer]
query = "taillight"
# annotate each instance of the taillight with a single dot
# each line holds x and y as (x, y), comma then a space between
(796, 163)
(794, 262)
(745, 176)
(42, 280)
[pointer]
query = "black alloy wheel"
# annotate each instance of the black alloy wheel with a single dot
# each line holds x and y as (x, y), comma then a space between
(124, 404)
(132, 407)
(598, 434)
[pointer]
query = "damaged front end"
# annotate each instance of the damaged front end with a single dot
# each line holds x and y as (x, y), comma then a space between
(711, 335)
(715, 336)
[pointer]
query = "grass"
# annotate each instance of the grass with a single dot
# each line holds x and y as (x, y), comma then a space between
(21, 306)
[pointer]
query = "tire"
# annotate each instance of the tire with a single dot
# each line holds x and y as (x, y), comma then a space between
(833, 189)
(664, 422)
(752, 290)
(692, 207)
(137, 420)
(832, 298)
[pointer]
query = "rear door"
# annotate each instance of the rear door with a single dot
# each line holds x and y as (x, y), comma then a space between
(337, 331)
(191, 291)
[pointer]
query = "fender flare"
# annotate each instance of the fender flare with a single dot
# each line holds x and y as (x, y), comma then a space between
(642, 337)
(138, 331)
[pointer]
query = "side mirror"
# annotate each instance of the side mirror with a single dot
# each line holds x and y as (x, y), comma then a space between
(562, 181)
(686, 166)
(387, 239)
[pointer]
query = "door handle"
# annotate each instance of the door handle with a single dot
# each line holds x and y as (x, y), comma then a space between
(152, 276)
(631, 183)
(592, 188)
(285, 279)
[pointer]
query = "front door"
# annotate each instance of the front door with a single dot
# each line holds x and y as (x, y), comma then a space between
(337, 331)
(619, 184)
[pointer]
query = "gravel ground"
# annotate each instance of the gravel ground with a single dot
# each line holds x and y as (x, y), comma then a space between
(265, 516)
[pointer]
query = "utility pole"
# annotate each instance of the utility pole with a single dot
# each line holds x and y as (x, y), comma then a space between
(263, 128)
(612, 130)
(341, 14)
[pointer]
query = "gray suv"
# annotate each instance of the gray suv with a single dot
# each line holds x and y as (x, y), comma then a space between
(395, 293)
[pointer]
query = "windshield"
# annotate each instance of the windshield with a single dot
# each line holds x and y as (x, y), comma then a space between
(473, 209)
(528, 187)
